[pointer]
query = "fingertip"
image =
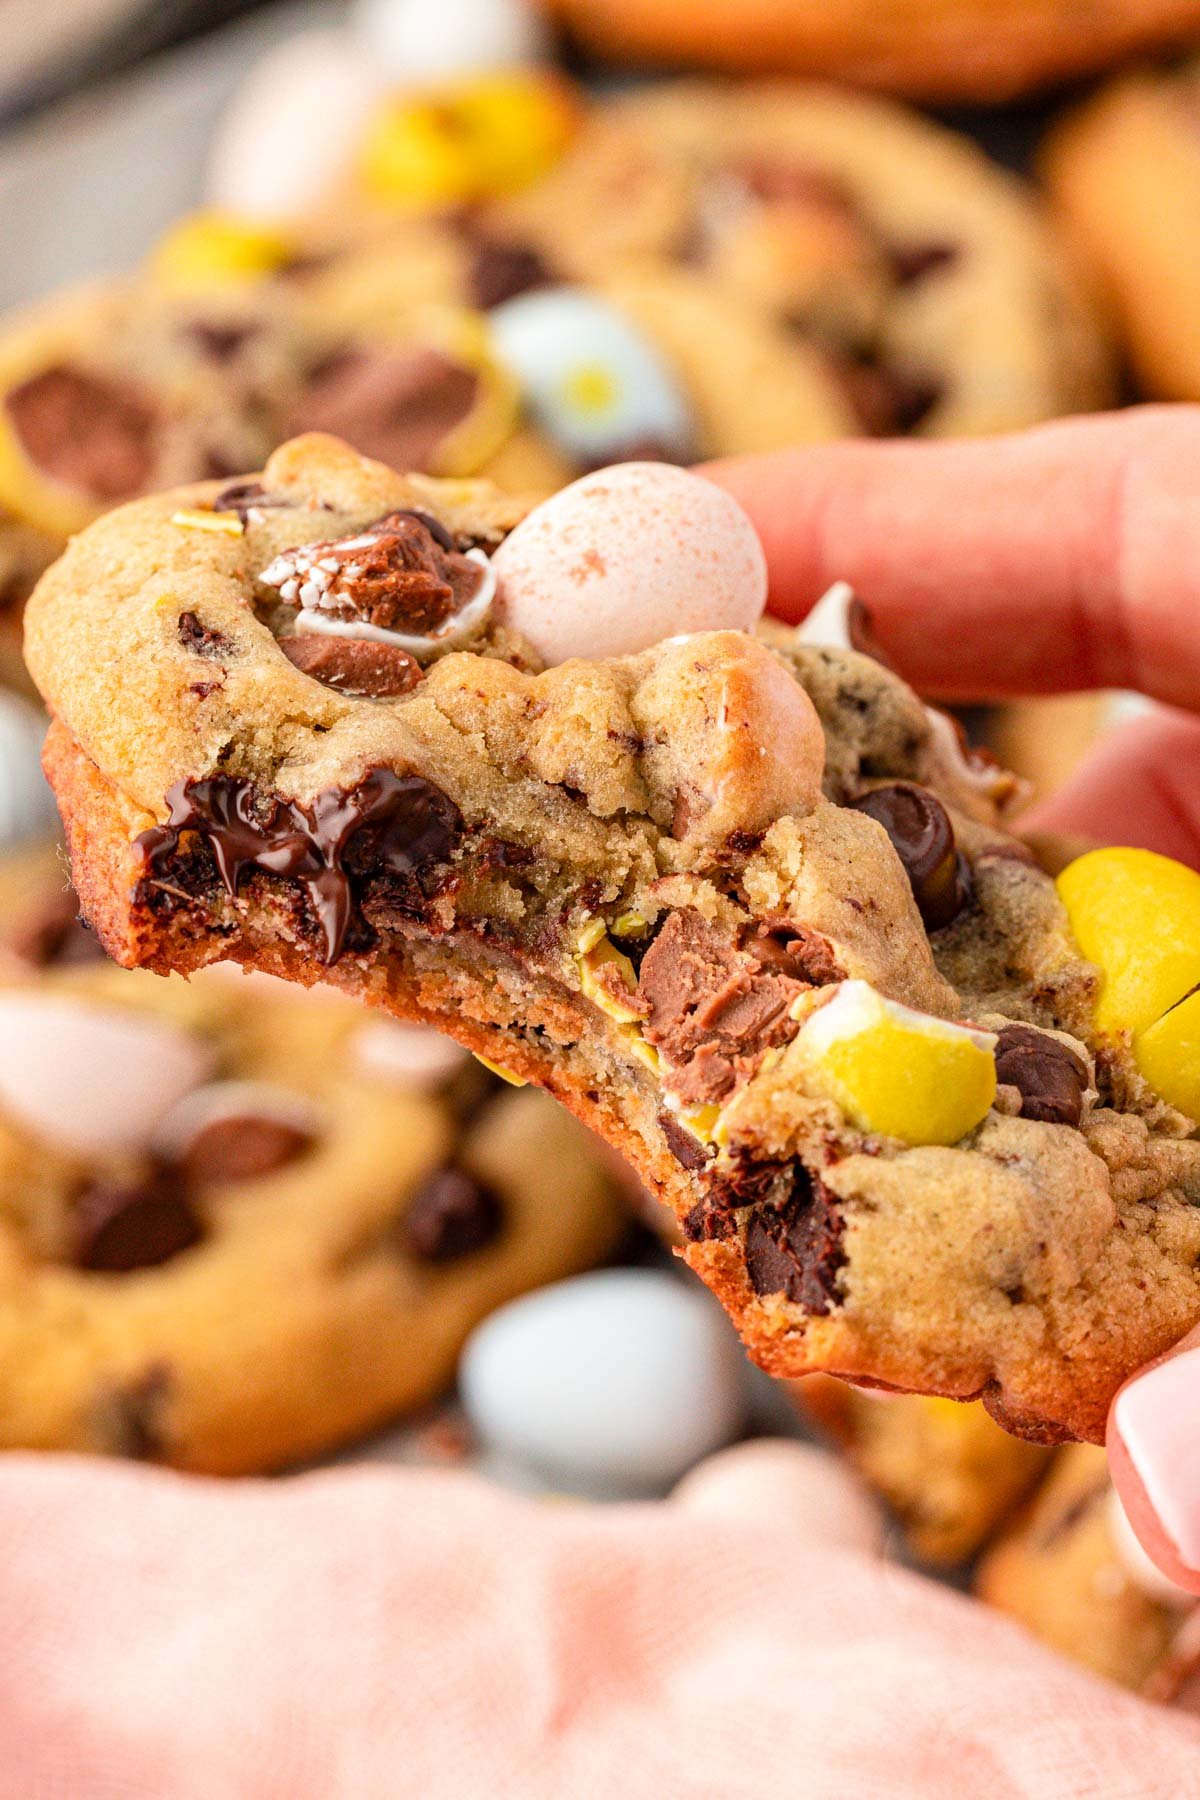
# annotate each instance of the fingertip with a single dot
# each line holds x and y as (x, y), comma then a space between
(1154, 1455)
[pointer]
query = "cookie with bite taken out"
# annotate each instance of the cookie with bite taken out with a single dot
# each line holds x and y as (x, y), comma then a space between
(736, 896)
(241, 1224)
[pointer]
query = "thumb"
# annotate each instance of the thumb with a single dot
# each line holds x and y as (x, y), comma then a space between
(1154, 1454)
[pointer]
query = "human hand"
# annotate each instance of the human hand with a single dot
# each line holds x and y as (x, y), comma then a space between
(1059, 559)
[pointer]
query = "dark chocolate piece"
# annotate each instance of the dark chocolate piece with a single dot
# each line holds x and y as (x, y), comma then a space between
(923, 838)
(122, 1226)
(687, 1149)
(245, 497)
(406, 821)
(502, 269)
(1047, 1074)
(795, 1248)
(201, 639)
(128, 1417)
(450, 1216)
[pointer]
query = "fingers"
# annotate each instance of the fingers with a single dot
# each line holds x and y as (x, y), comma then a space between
(1154, 1454)
(1140, 787)
(1060, 558)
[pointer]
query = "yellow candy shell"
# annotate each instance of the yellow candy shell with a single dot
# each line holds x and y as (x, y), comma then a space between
(1136, 915)
(1168, 1055)
(213, 249)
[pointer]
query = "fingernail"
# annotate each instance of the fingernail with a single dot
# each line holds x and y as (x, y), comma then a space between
(1158, 1418)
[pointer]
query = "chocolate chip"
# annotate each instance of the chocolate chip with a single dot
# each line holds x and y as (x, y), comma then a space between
(501, 269)
(795, 1249)
(705, 1223)
(1047, 1074)
(85, 432)
(120, 1226)
(128, 1417)
(389, 824)
(245, 497)
(240, 1149)
(912, 262)
(452, 1215)
(353, 665)
(923, 838)
(220, 342)
(201, 639)
(889, 400)
(398, 407)
(685, 1147)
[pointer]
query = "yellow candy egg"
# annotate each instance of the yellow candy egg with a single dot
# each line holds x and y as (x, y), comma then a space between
(1168, 1054)
(480, 138)
(212, 249)
(1136, 915)
(897, 1072)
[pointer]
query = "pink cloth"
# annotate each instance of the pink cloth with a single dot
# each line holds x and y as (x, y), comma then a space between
(377, 1631)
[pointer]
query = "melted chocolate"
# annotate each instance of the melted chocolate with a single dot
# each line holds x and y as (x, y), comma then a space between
(794, 1248)
(403, 820)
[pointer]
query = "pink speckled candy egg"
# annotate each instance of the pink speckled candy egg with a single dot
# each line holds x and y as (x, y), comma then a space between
(628, 556)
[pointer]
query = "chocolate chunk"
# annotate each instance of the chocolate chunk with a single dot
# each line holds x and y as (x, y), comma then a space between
(246, 497)
(128, 1417)
(242, 1148)
(396, 574)
(450, 1216)
(388, 824)
(923, 838)
(88, 433)
(398, 407)
(501, 269)
(795, 1249)
(220, 342)
(712, 1008)
(685, 1147)
(1047, 1074)
(201, 639)
(912, 262)
(794, 951)
(888, 399)
(353, 665)
(121, 1226)
(705, 1222)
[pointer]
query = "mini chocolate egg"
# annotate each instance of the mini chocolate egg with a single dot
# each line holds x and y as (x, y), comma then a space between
(777, 1482)
(431, 40)
(92, 1079)
(612, 1383)
(626, 557)
(589, 378)
(292, 130)
(26, 803)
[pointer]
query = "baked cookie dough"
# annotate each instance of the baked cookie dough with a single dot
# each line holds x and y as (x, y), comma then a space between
(923, 276)
(947, 1470)
(1074, 1575)
(740, 900)
(977, 50)
(1123, 172)
(241, 1224)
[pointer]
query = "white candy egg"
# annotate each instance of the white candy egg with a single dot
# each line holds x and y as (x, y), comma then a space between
(588, 377)
(611, 1383)
(409, 1055)
(291, 133)
(94, 1080)
(777, 1482)
(26, 803)
(626, 557)
(431, 40)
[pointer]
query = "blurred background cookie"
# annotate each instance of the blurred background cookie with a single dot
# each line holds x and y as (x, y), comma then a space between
(980, 50)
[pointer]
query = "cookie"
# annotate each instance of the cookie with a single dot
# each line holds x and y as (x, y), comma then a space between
(948, 1472)
(240, 1224)
(145, 383)
(1073, 1574)
(718, 891)
(1139, 136)
(917, 272)
(942, 50)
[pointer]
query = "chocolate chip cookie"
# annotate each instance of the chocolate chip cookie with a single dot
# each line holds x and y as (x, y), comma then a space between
(947, 1470)
(739, 899)
(969, 50)
(240, 1224)
(915, 273)
(1074, 1575)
